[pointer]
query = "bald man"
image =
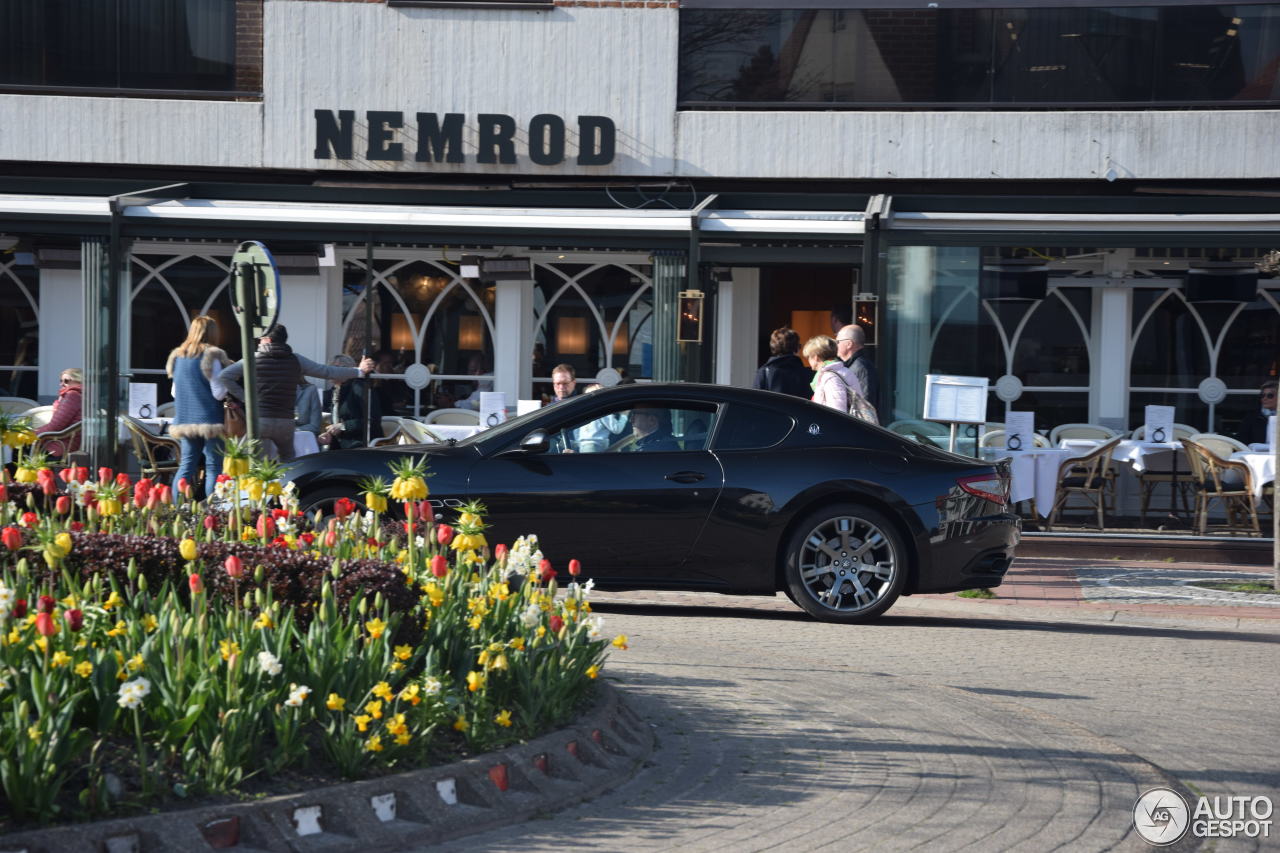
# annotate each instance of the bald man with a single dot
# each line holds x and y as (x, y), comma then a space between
(851, 348)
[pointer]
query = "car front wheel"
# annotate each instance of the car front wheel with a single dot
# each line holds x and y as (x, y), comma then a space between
(845, 563)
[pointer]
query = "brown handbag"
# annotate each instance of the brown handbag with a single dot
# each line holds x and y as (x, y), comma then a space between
(233, 420)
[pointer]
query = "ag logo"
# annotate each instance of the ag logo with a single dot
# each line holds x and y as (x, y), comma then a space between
(1161, 816)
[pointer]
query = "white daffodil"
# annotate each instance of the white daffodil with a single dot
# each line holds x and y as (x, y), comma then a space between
(297, 695)
(431, 686)
(531, 616)
(133, 692)
(269, 663)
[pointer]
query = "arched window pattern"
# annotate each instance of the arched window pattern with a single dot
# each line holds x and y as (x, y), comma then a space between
(1177, 345)
(19, 329)
(423, 312)
(166, 292)
(593, 316)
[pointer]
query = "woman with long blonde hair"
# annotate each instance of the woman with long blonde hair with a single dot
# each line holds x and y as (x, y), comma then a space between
(198, 417)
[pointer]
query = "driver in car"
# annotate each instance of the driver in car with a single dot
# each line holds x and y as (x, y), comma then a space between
(650, 430)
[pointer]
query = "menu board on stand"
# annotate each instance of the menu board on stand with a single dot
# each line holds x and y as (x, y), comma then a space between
(956, 400)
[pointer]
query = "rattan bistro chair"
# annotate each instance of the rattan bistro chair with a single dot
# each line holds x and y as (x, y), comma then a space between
(995, 438)
(1088, 477)
(1224, 480)
(1090, 431)
(156, 454)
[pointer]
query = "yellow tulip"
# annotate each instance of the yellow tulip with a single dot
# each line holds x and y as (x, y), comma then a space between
(187, 548)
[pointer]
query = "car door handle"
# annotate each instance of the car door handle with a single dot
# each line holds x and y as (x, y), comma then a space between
(687, 476)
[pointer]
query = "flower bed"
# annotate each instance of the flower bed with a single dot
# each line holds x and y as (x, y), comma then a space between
(154, 647)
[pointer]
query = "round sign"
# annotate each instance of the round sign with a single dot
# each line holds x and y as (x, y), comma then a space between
(1008, 388)
(417, 376)
(1213, 390)
(263, 287)
(608, 377)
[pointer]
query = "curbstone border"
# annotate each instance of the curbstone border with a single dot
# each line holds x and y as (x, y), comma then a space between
(602, 749)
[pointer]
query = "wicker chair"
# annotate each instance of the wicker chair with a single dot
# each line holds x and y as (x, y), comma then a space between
(995, 438)
(1092, 431)
(1223, 480)
(156, 454)
(61, 439)
(1088, 477)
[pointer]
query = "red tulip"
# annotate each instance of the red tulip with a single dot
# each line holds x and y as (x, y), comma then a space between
(439, 566)
(556, 623)
(4, 493)
(235, 568)
(343, 507)
(75, 619)
(45, 625)
(222, 478)
(82, 474)
(500, 552)
(330, 538)
(62, 504)
(153, 499)
(66, 474)
(29, 519)
(307, 538)
(47, 481)
(210, 522)
(183, 486)
(122, 479)
(45, 603)
(19, 608)
(425, 512)
(372, 542)
(11, 537)
(545, 571)
(166, 494)
(278, 513)
(105, 474)
(266, 527)
(196, 583)
(76, 526)
(444, 534)
(575, 568)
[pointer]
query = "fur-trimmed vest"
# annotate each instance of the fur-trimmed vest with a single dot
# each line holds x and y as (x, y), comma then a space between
(197, 413)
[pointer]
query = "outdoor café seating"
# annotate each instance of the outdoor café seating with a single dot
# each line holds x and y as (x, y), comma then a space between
(156, 454)
(16, 405)
(1083, 431)
(1086, 477)
(1224, 480)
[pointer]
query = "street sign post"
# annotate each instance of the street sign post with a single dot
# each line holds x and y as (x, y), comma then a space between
(255, 300)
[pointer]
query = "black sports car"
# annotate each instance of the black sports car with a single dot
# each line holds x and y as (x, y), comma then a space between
(706, 487)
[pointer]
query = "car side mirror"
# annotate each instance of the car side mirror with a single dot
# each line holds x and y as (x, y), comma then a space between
(535, 442)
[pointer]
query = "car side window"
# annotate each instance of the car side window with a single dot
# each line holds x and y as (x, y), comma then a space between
(639, 428)
(752, 428)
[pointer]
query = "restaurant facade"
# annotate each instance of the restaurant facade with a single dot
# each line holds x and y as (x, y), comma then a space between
(1080, 201)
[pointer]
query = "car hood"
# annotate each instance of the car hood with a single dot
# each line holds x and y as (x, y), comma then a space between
(374, 461)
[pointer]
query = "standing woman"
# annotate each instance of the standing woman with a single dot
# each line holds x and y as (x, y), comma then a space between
(198, 416)
(832, 381)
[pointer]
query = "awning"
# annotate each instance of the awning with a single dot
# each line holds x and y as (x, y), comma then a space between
(921, 5)
(1081, 223)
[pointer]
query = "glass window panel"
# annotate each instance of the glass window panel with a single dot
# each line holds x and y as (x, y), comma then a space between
(1051, 408)
(1170, 351)
(1187, 408)
(752, 428)
(1248, 354)
(1089, 54)
(774, 55)
(1051, 350)
(19, 330)
(1219, 53)
(177, 44)
(915, 55)
(570, 332)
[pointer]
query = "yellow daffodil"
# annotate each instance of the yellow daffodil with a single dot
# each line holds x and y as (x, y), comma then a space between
(396, 724)
(403, 738)
(410, 694)
(84, 669)
(227, 648)
(113, 600)
(134, 663)
(542, 631)
(499, 591)
(475, 681)
(362, 722)
(335, 702)
(119, 629)
(620, 641)
(374, 709)
(593, 671)
(475, 622)
(374, 744)
(375, 627)
(517, 644)
(264, 621)
(396, 666)
(503, 719)
(460, 724)
(34, 732)
(383, 691)
(60, 658)
(500, 662)
(150, 622)
(435, 594)
(403, 652)
(13, 636)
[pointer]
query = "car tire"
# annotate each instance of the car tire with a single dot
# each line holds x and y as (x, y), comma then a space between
(845, 563)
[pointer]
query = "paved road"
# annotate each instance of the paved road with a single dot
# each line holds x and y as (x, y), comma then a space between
(947, 725)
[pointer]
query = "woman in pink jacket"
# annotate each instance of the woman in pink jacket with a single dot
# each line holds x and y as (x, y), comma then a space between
(832, 381)
(67, 410)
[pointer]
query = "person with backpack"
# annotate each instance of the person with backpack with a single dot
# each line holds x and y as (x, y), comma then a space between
(834, 384)
(784, 372)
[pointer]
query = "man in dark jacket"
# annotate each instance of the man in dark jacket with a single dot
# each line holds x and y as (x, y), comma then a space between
(278, 370)
(1253, 426)
(851, 348)
(784, 372)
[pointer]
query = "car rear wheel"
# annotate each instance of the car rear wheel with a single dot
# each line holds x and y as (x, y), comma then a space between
(845, 563)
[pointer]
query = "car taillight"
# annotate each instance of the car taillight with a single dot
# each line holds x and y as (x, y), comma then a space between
(990, 487)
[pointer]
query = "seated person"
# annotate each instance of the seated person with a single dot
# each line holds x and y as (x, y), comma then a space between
(307, 415)
(1253, 426)
(650, 431)
(348, 404)
(67, 410)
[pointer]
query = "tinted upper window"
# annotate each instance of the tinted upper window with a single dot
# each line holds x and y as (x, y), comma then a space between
(752, 428)
(989, 57)
(148, 45)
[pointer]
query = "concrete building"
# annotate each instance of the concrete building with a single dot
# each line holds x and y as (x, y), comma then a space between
(1069, 199)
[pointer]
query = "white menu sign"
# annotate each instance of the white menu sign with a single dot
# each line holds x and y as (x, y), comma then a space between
(955, 399)
(1159, 426)
(142, 399)
(1019, 431)
(493, 408)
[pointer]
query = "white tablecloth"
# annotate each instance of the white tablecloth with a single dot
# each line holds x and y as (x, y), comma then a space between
(1034, 474)
(1263, 466)
(1138, 455)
